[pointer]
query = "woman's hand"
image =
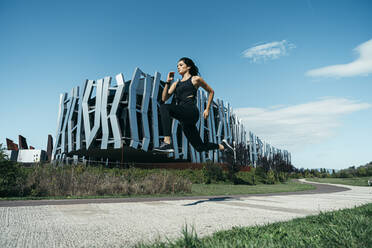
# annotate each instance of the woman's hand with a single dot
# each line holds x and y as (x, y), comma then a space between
(206, 113)
(170, 77)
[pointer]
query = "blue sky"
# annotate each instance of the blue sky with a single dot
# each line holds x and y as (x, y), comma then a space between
(298, 73)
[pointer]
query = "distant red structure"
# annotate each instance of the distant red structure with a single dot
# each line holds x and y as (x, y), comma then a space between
(23, 153)
(11, 145)
(22, 142)
(23, 145)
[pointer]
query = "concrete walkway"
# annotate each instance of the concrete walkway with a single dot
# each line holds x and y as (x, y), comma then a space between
(123, 224)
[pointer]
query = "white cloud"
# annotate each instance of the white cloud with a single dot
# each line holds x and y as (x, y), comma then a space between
(361, 66)
(272, 50)
(295, 126)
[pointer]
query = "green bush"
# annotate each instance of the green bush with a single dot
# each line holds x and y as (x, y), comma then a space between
(212, 173)
(295, 175)
(325, 175)
(369, 170)
(282, 177)
(345, 174)
(260, 175)
(308, 174)
(247, 177)
(49, 180)
(260, 172)
(362, 172)
(270, 179)
(80, 180)
(12, 179)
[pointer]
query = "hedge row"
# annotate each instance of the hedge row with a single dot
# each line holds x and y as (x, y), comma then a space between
(81, 180)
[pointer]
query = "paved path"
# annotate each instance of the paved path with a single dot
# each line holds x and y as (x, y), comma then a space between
(122, 224)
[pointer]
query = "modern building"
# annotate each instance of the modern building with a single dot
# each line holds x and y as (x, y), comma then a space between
(22, 153)
(118, 120)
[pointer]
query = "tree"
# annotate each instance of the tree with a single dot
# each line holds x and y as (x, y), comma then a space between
(2, 153)
(235, 164)
(12, 176)
(362, 171)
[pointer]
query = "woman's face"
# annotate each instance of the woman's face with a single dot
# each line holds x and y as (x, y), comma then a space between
(182, 68)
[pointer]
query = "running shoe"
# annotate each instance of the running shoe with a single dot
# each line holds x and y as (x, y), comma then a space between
(227, 147)
(164, 147)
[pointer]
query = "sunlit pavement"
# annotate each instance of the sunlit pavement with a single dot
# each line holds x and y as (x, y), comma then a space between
(123, 224)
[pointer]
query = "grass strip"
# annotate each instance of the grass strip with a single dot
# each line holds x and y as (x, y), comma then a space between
(196, 190)
(229, 189)
(343, 228)
(353, 181)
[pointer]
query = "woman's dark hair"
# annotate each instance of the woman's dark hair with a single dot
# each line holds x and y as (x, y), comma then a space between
(194, 71)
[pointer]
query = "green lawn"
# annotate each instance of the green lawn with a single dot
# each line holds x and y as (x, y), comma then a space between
(202, 190)
(228, 189)
(353, 181)
(343, 228)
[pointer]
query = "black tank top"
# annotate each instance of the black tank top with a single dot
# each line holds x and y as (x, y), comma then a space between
(184, 90)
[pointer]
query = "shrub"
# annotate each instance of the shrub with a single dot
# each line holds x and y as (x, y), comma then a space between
(12, 179)
(165, 183)
(82, 181)
(308, 174)
(195, 176)
(270, 179)
(282, 177)
(369, 170)
(325, 175)
(296, 175)
(247, 177)
(362, 172)
(345, 174)
(260, 171)
(212, 173)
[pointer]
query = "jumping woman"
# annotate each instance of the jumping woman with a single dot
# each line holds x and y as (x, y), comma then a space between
(185, 109)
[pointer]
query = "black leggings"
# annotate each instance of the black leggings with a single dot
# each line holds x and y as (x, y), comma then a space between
(188, 115)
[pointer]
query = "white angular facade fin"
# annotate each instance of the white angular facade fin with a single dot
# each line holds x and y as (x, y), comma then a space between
(154, 109)
(61, 114)
(132, 108)
(115, 126)
(174, 137)
(104, 115)
(90, 132)
(144, 112)
(71, 125)
(184, 147)
(67, 108)
(79, 123)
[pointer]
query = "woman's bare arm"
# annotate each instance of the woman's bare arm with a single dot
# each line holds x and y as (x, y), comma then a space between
(200, 82)
(164, 94)
(168, 91)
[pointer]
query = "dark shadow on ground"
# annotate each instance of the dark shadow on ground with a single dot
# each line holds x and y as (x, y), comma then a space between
(215, 199)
